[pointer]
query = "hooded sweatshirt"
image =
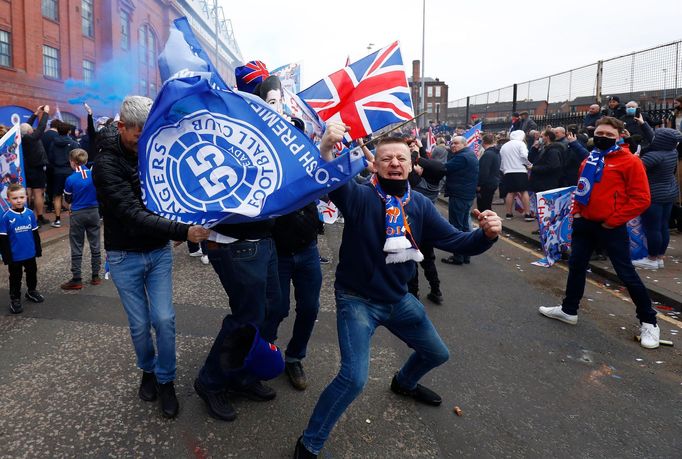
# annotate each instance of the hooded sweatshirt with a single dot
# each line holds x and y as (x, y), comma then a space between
(59, 154)
(514, 154)
(660, 162)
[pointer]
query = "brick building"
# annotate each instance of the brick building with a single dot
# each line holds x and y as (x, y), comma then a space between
(60, 51)
(436, 96)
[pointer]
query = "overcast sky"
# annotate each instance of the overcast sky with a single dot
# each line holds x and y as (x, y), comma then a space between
(473, 46)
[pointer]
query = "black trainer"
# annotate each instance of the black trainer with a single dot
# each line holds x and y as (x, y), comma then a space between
(301, 452)
(218, 403)
(15, 306)
(257, 392)
(148, 390)
(420, 393)
(168, 400)
(435, 296)
(294, 371)
(35, 296)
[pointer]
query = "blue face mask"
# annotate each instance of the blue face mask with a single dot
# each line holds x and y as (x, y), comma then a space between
(631, 111)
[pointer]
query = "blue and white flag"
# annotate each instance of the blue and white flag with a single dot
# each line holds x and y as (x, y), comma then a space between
(208, 155)
(11, 163)
(184, 52)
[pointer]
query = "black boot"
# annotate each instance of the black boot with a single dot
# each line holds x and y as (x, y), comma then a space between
(294, 371)
(301, 452)
(148, 390)
(435, 296)
(169, 402)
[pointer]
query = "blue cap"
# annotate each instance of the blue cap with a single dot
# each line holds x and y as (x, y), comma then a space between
(250, 75)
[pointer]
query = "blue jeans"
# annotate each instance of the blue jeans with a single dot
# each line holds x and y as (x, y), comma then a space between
(303, 269)
(656, 221)
(458, 216)
(585, 237)
(144, 281)
(356, 320)
(248, 272)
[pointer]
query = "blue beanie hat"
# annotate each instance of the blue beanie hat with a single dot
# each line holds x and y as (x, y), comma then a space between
(246, 350)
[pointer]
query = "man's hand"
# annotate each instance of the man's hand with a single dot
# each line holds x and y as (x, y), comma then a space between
(639, 119)
(571, 137)
(333, 134)
(38, 110)
(418, 169)
(46, 108)
(197, 234)
(87, 108)
(489, 222)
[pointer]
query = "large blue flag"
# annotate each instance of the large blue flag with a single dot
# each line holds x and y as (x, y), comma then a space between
(208, 155)
(186, 52)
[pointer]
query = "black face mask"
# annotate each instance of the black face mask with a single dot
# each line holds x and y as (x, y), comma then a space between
(393, 187)
(603, 143)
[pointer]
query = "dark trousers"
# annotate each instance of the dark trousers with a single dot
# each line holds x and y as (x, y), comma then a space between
(458, 216)
(248, 272)
(30, 268)
(84, 222)
(586, 235)
(430, 271)
(656, 220)
(484, 201)
(303, 270)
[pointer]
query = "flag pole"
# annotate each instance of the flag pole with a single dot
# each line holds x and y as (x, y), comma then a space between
(381, 136)
(423, 63)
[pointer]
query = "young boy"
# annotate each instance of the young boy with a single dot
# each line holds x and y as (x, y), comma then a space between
(81, 197)
(20, 245)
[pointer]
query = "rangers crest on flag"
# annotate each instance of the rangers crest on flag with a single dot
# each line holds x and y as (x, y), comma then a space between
(366, 95)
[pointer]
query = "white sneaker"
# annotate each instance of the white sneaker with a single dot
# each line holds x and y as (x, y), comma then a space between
(649, 335)
(204, 259)
(661, 264)
(555, 312)
(645, 263)
(198, 253)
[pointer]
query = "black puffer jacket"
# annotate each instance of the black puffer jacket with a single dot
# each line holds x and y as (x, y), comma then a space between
(128, 225)
(546, 172)
(32, 145)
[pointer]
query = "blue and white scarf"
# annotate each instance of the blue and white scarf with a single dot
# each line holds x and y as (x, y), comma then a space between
(592, 172)
(400, 246)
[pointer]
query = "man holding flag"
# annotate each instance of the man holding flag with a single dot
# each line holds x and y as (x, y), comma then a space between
(385, 224)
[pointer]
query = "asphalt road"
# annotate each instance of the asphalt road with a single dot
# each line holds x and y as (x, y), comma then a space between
(527, 386)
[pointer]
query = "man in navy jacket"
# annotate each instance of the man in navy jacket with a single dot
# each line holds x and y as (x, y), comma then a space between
(371, 287)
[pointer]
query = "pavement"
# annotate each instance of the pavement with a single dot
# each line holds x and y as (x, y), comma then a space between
(527, 386)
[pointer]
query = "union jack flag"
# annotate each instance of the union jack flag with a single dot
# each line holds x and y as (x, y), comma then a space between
(366, 95)
(430, 141)
(473, 136)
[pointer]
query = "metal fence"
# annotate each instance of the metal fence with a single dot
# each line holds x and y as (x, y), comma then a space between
(652, 78)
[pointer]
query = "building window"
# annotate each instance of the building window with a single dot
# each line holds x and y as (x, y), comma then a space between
(5, 49)
(151, 48)
(88, 71)
(429, 91)
(71, 119)
(88, 16)
(429, 107)
(142, 43)
(51, 9)
(437, 91)
(125, 31)
(50, 62)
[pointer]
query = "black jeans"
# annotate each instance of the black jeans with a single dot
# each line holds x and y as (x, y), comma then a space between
(484, 201)
(430, 271)
(248, 272)
(30, 268)
(586, 236)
